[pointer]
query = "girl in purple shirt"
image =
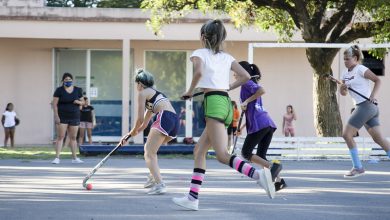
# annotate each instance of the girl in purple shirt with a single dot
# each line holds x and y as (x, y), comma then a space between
(259, 125)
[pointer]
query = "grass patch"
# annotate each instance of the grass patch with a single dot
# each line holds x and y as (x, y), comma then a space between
(175, 156)
(26, 153)
(46, 153)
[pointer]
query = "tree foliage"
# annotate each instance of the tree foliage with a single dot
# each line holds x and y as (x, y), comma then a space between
(169, 70)
(119, 4)
(319, 21)
(95, 3)
(71, 3)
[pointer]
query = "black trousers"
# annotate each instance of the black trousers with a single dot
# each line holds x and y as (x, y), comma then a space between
(260, 138)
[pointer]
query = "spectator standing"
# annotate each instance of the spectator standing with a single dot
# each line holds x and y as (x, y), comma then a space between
(67, 100)
(87, 121)
(9, 121)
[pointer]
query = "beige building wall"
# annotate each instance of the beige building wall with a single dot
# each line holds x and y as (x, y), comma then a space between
(29, 34)
(27, 81)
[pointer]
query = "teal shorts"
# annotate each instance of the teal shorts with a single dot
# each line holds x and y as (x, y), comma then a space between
(218, 106)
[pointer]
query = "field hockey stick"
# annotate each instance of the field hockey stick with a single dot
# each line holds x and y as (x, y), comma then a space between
(102, 162)
(238, 130)
(339, 82)
(194, 95)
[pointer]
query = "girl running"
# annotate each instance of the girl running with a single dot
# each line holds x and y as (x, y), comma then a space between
(211, 73)
(260, 127)
(163, 130)
(366, 112)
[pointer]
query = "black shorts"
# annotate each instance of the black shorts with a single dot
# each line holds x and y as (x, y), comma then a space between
(69, 118)
(231, 130)
(70, 121)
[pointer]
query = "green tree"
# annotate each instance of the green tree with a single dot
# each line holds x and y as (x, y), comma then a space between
(119, 4)
(57, 3)
(169, 70)
(95, 3)
(71, 3)
(319, 21)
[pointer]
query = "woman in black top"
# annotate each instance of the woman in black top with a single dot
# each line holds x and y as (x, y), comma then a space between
(87, 121)
(67, 100)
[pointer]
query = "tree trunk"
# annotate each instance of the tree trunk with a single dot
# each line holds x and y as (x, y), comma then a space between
(327, 120)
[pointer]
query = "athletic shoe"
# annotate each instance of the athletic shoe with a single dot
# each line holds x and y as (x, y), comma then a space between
(150, 182)
(280, 185)
(77, 160)
(355, 172)
(276, 167)
(158, 189)
(265, 181)
(56, 161)
(187, 203)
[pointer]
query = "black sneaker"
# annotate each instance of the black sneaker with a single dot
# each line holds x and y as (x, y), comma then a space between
(276, 167)
(280, 185)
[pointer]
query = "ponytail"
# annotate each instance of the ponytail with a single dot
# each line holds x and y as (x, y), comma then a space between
(252, 69)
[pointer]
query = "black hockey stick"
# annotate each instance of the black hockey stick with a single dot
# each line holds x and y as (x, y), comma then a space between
(194, 95)
(339, 82)
(238, 130)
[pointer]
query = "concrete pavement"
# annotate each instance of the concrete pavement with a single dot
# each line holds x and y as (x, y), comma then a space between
(36, 189)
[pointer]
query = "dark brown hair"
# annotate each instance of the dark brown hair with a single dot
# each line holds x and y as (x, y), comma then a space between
(292, 109)
(9, 106)
(252, 69)
(66, 75)
(213, 33)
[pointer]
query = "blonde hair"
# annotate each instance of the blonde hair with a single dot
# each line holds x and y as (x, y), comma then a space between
(354, 51)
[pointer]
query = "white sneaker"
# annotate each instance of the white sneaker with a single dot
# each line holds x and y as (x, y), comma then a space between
(186, 203)
(158, 189)
(355, 172)
(56, 161)
(265, 181)
(77, 160)
(150, 182)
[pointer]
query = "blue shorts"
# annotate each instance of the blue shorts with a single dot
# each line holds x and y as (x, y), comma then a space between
(167, 123)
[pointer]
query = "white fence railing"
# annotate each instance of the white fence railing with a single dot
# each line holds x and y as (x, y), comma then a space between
(318, 148)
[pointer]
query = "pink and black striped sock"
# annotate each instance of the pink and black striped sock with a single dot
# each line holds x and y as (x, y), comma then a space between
(243, 167)
(196, 182)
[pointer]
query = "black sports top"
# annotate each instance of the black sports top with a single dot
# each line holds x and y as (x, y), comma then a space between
(157, 98)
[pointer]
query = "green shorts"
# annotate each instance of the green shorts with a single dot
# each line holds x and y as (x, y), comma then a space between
(218, 106)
